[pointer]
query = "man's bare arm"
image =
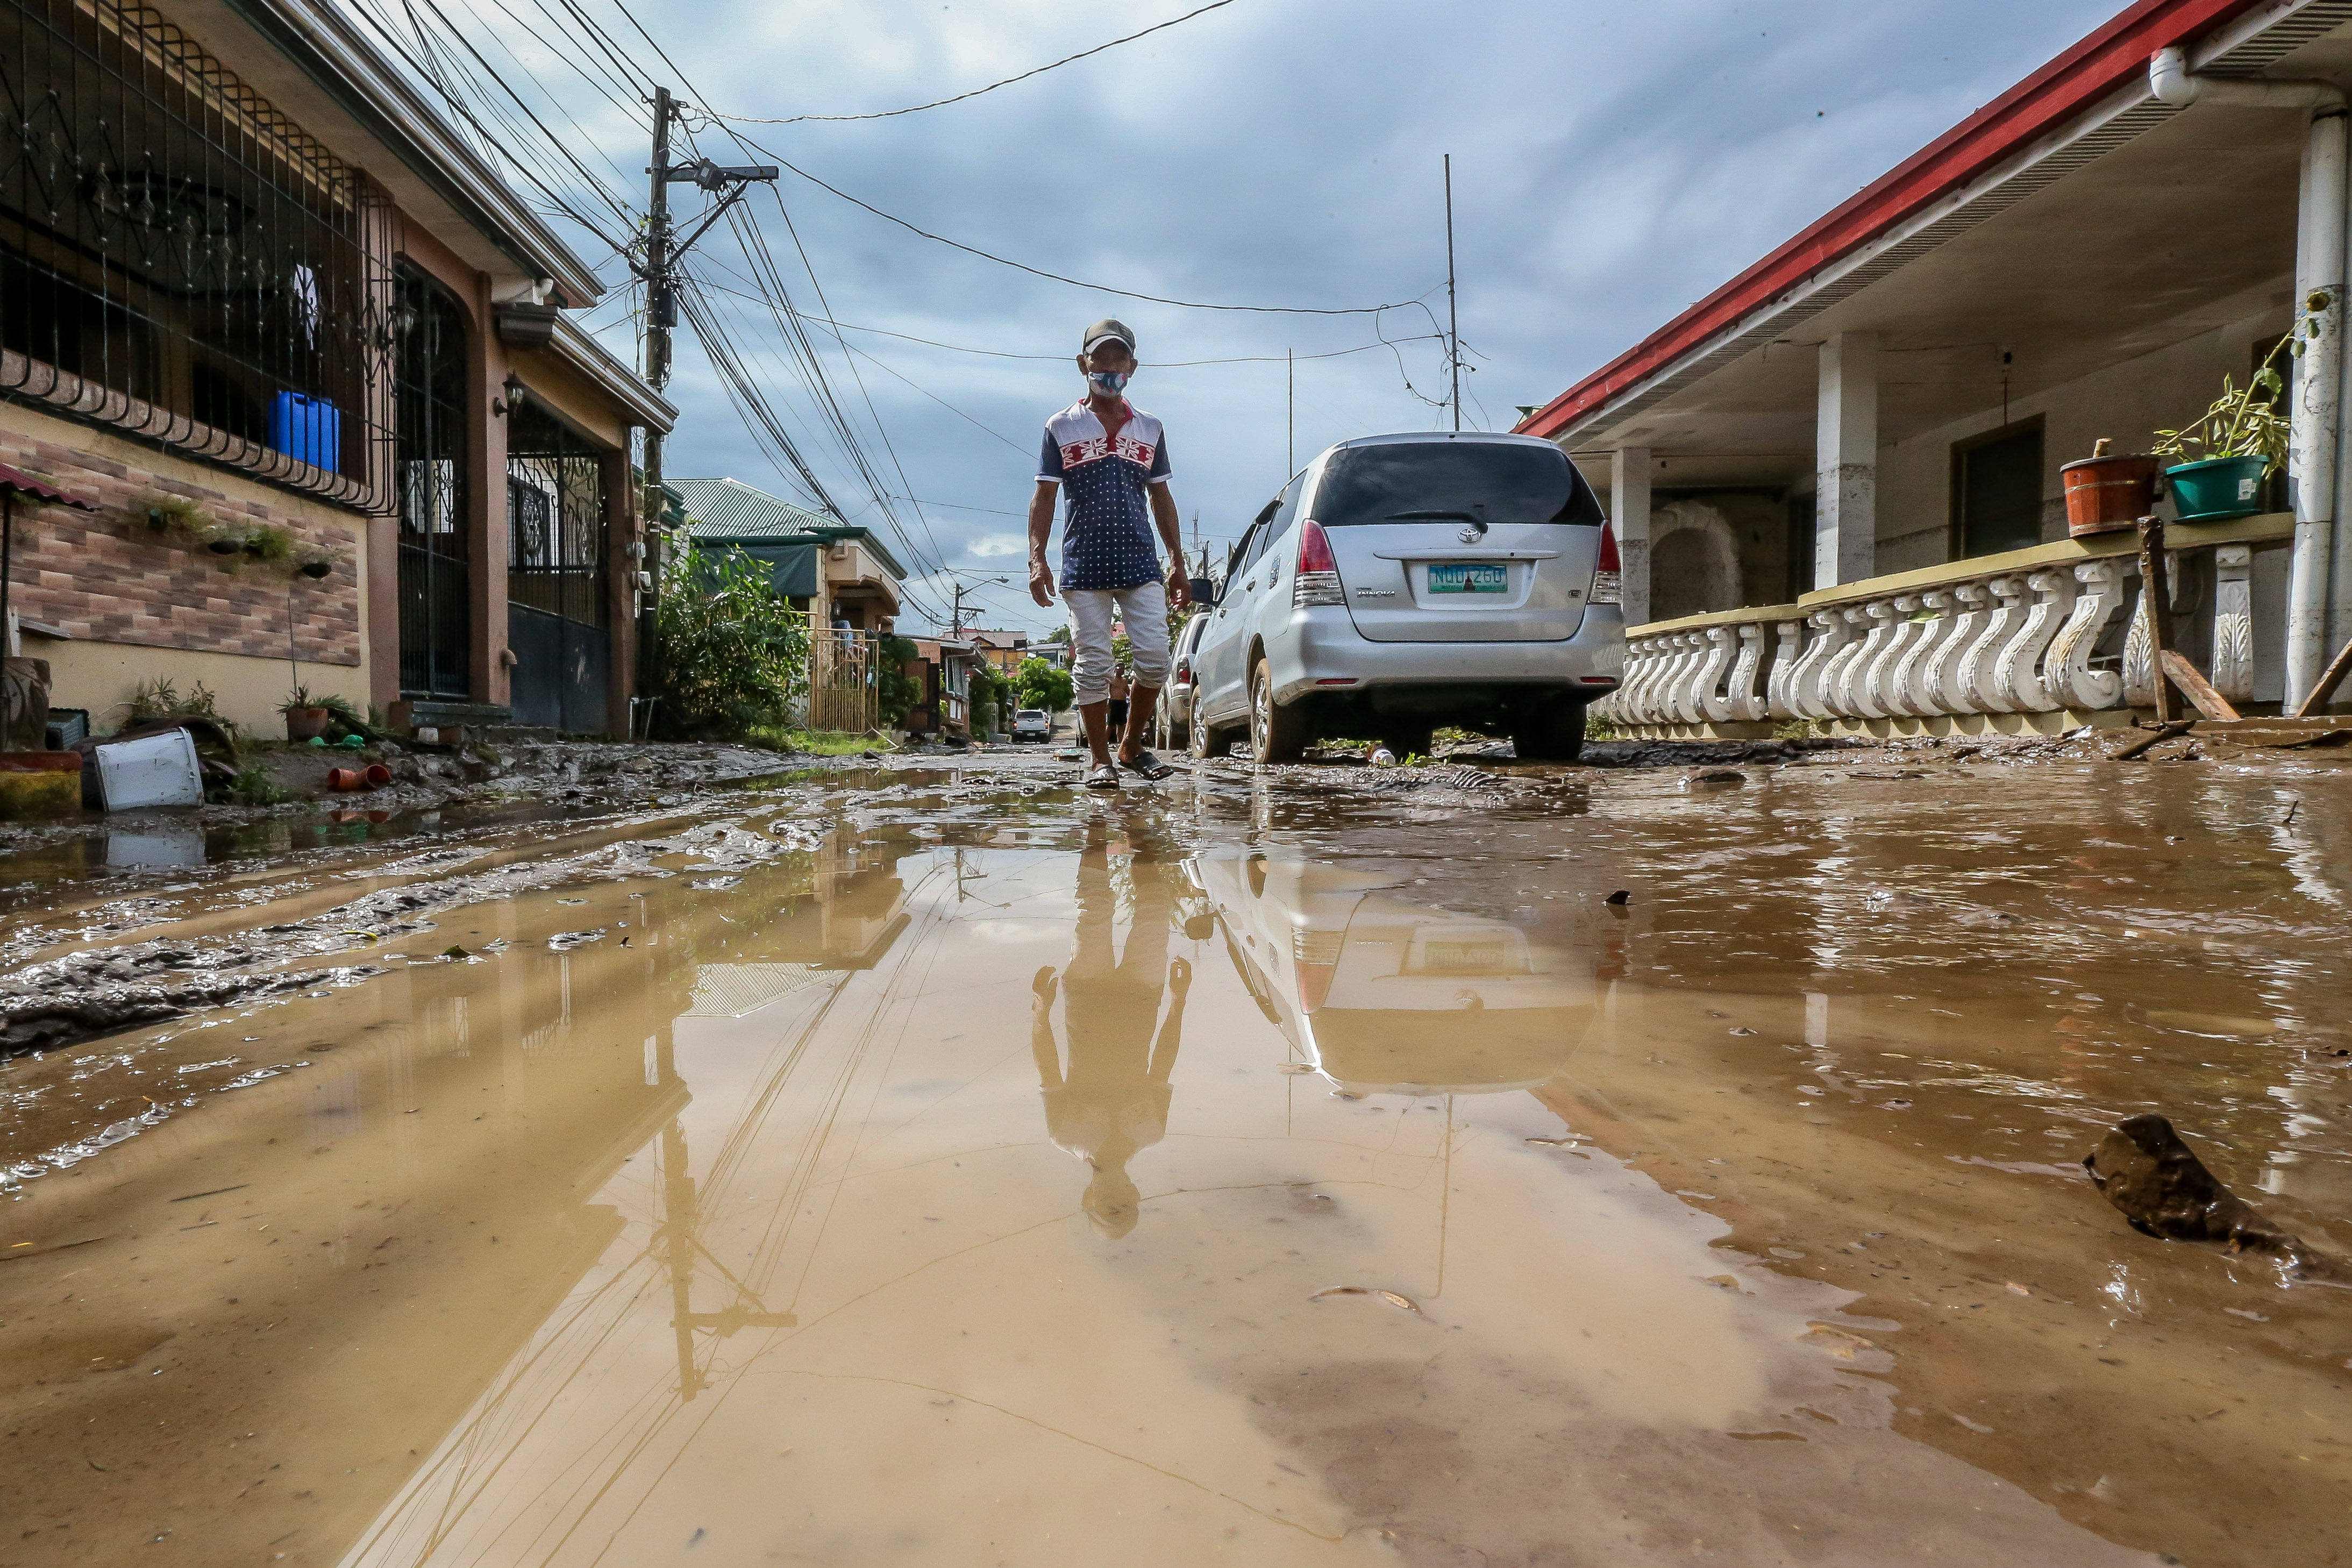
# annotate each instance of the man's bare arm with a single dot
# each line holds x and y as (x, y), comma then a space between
(1041, 529)
(1171, 535)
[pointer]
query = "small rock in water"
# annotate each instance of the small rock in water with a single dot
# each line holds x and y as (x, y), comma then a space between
(2159, 1186)
(1718, 777)
(1619, 897)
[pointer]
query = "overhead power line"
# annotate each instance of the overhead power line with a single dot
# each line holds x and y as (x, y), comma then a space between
(975, 92)
(1064, 278)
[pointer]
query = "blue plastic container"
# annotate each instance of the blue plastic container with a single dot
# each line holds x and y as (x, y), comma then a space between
(307, 429)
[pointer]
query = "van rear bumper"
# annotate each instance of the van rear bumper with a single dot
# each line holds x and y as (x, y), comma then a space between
(1320, 651)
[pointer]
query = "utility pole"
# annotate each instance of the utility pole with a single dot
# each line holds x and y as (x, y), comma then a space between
(661, 300)
(1452, 316)
(1290, 384)
(659, 273)
(663, 251)
(955, 614)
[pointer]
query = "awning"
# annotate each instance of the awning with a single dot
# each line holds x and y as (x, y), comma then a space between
(14, 481)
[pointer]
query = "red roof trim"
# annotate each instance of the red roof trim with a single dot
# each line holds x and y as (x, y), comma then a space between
(14, 481)
(2109, 58)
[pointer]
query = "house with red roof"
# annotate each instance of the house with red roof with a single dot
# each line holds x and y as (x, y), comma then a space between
(1839, 482)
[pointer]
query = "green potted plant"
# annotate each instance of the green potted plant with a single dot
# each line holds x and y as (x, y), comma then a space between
(2222, 457)
(306, 717)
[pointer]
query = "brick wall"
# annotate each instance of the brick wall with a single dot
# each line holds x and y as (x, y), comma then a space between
(107, 576)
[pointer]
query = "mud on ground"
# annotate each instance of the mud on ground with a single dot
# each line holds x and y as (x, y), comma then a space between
(936, 1163)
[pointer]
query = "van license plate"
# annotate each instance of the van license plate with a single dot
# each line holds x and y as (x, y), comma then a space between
(1466, 577)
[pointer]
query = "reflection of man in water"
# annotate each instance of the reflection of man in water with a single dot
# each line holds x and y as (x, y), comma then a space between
(1112, 1099)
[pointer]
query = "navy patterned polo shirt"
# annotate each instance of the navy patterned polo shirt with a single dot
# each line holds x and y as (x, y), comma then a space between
(1107, 539)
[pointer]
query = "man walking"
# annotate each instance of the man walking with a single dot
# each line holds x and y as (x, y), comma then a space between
(1110, 458)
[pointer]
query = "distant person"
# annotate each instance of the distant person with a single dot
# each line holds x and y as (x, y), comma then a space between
(1110, 458)
(1111, 1098)
(1116, 709)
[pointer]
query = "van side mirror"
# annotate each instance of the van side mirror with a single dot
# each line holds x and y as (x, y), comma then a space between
(1205, 593)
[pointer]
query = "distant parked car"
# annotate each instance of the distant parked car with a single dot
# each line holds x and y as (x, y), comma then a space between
(1032, 724)
(1174, 717)
(1400, 583)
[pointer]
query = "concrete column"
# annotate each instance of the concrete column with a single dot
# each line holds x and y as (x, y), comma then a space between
(485, 505)
(2317, 591)
(1629, 511)
(1845, 443)
(620, 584)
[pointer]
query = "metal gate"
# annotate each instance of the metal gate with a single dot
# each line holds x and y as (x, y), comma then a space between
(435, 607)
(558, 611)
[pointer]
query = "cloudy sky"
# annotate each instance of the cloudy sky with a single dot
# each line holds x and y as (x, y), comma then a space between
(1612, 164)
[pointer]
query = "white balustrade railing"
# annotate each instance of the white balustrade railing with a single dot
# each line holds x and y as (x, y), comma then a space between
(2009, 635)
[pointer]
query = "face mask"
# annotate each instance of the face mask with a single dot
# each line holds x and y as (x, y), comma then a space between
(1109, 383)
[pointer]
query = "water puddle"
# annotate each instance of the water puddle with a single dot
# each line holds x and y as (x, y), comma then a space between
(960, 1171)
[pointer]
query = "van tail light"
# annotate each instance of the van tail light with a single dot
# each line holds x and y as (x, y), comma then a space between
(1183, 675)
(1316, 956)
(1607, 577)
(1317, 581)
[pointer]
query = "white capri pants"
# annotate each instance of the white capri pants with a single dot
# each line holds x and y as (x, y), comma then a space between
(1144, 608)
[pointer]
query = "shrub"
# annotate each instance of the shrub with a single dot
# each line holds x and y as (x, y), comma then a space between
(1044, 685)
(898, 692)
(732, 652)
(161, 699)
(986, 697)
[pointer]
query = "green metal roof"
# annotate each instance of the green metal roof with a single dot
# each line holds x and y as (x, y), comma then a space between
(730, 509)
(733, 513)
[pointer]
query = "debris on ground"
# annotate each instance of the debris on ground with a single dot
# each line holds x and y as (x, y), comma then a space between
(1403, 1303)
(2157, 1183)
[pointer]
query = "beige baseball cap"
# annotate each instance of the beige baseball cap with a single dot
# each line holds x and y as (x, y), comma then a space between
(1107, 329)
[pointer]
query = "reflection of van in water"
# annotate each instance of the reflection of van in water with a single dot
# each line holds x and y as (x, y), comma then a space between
(1382, 994)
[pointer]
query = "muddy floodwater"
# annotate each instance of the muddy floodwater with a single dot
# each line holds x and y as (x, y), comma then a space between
(1303, 1167)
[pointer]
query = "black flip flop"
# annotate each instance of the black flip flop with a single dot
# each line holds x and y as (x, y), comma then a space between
(1146, 765)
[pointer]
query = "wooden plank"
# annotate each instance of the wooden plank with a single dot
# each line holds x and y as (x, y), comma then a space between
(2155, 737)
(2155, 598)
(2195, 687)
(2333, 677)
(2253, 732)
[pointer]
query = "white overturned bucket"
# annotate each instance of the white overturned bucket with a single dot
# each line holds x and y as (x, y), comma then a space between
(154, 770)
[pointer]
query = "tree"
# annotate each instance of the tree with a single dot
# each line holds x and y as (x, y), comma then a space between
(1043, 685)
(732, 652)
(1060, 635)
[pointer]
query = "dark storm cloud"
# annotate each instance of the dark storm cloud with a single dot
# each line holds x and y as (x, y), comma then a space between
(1612, 163)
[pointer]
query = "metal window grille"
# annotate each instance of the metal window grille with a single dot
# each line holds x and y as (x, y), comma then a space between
(429, 382)
(555, 516)
(559, 610)
(180, 261)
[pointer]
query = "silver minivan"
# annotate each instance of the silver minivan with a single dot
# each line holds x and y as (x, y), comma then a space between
(1402, 583)
(1174, 716)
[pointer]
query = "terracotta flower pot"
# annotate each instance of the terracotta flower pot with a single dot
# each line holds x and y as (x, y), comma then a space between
(306, 723)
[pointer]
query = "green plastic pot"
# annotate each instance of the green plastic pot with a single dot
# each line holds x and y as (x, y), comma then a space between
(2217, 487)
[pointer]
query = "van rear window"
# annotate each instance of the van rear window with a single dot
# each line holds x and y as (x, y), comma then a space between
(1453, 481)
